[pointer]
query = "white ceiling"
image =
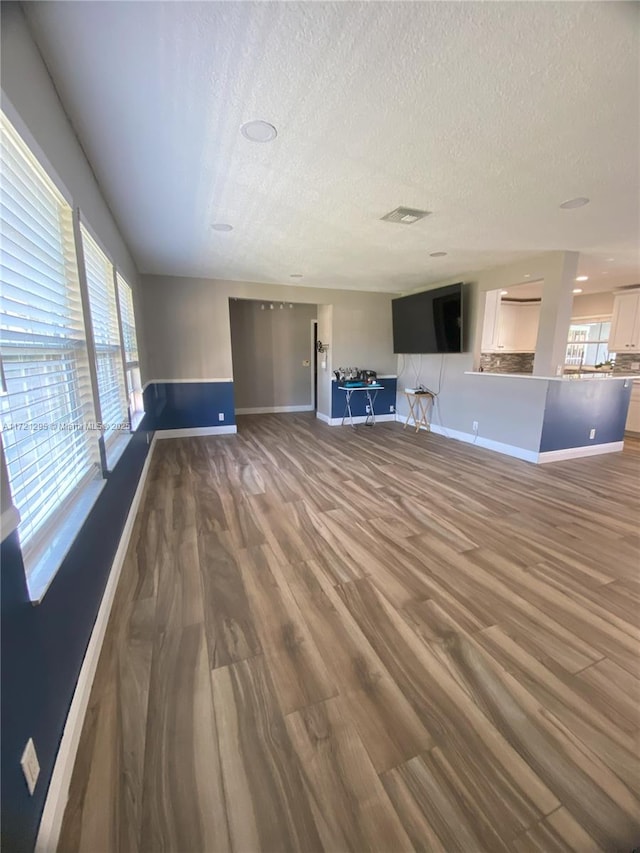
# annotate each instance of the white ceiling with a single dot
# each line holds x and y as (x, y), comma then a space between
(487, 114)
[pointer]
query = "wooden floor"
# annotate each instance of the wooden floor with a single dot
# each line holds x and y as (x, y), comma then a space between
(368, 641)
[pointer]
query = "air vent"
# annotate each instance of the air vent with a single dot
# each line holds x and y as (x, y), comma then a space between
(405, 215)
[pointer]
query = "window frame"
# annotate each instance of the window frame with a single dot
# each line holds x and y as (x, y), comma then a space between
(585, 321)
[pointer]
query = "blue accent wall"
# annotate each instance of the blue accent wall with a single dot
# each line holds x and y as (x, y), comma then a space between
(187, 405)
(43, 645)
(385, 399)
(575, 408)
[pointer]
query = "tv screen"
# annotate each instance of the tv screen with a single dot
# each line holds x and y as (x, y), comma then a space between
(430, 321)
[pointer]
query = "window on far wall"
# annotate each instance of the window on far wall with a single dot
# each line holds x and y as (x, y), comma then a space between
(132, 363)
(588, 343)
(46, 401)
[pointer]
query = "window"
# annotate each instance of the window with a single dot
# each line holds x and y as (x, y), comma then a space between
(588, 343)
(108, 351)
(132, 363)
(47, 401)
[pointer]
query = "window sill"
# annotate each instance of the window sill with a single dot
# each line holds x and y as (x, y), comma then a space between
(136, 420)
(116, 448)
(42, 563)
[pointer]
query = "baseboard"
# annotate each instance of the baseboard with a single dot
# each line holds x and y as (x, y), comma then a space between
(577, 452)
(58, 793)
(360, 419)
(479, 441)
(193, 432)
(274, 410)
(322, 417)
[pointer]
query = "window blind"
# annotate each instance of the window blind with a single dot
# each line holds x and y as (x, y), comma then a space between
(127, 318)
(47, 401)
(106, 338)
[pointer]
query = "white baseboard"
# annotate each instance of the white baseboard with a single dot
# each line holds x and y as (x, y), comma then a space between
(479, 441)
(324, 418)
(520, 452)
(274, 410)
(58, 793)
(360, 419)
(193, 432)
(577, 452)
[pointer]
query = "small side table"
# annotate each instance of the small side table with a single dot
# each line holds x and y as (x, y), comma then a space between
(418, 409)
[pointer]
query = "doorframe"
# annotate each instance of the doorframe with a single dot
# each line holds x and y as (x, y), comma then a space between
(314, 364)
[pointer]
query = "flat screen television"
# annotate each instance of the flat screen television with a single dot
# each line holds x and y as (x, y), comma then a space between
(431, 321)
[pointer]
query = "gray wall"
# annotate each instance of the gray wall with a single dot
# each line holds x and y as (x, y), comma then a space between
(268, 349)
(188, 334)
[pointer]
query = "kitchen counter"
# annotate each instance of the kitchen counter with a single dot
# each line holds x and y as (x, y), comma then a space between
(569, 377)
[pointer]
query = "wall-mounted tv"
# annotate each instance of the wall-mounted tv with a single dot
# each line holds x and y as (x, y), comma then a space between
(431, 321)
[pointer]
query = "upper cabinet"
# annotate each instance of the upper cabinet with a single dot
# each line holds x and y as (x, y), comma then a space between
(625, 325)
(509, 326)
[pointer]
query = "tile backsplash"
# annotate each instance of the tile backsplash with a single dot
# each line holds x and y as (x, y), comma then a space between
(507, 362)
(627, 363)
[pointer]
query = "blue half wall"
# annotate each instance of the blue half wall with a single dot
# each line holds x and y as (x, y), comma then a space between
(574, 408)
(188, 405)
(43, 645)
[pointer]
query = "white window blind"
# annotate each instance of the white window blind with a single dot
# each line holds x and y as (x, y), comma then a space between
(47, 401)
(106, 338)
(127, 318)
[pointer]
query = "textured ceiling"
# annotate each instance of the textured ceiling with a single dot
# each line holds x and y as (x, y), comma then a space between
(489, 115)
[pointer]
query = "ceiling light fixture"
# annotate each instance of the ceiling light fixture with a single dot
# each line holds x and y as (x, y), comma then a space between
(572, 203)
(504, 293)
(437, 254)
(577, 290)
(271, 307)
(258, 131)
(611, 259)
(221, 226)
(527, 275)
(582, 278)
(291, 305)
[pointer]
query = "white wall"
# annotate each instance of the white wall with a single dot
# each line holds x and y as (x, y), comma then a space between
(272, 354)
(188, 332)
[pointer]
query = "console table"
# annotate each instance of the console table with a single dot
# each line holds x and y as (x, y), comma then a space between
(418, 409)
(367, 390)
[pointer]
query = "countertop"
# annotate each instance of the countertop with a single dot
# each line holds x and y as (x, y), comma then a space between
(570, 377)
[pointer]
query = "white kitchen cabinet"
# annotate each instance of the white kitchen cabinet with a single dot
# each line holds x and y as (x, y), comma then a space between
(633, 418)
(528, 320)
(490, 324)
(625, 325)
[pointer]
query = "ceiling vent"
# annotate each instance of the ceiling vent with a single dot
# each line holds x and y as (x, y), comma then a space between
(405, 215)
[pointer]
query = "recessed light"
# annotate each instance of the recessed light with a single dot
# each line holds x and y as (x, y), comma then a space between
(504, 293)
(577, 290)
(258, 131)
(571, 203)
(582, 278)
(528, 275)
(222, 226)
(296, 275)
(606, 272)
(611, 259)
(437, 254)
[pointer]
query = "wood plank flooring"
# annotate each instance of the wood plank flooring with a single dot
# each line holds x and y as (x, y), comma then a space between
(328, 640)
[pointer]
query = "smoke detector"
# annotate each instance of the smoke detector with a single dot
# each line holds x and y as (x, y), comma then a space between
(405, 215)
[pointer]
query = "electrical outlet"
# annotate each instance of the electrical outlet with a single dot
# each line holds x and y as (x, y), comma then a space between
(475, 426)
(220, 416)
(30, 765)
(367, 409)
(592, 434)
(392, 408)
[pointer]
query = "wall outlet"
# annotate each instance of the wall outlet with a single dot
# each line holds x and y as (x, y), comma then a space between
(498, 361)
(475, 426)
(306, 362)
(592, 433)
(392, 408)
(367, 409)
(30, 765)
(220, 416)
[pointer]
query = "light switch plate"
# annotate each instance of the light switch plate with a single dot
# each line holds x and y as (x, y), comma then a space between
(30, 765)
